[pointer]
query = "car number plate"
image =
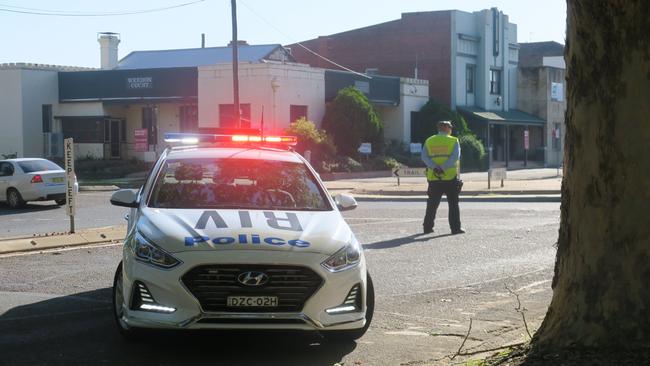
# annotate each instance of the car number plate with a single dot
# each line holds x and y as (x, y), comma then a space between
(253, 301)
(57, 180)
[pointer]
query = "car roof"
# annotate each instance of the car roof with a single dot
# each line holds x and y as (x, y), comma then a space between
(251, 153)
(16, 160)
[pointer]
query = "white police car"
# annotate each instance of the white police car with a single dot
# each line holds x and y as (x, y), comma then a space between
(239, 234)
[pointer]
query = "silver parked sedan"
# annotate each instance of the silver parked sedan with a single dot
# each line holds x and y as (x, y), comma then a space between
(31, 179)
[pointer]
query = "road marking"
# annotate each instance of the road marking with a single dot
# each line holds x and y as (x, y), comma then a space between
(59, 250)
(407, 333)
(534, 284)
(467, 285)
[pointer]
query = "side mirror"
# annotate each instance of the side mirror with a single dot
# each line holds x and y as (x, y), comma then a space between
(345, 202)
(125, 198)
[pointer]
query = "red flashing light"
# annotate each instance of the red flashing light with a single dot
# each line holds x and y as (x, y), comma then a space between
(37, 179)
(287, 140)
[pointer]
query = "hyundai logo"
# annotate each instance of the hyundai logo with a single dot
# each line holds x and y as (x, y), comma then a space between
(253, 278)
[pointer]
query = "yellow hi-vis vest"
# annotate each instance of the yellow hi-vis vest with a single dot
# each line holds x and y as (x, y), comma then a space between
(439, 148)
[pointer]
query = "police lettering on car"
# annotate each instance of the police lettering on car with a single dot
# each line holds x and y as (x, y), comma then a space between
(272, 220)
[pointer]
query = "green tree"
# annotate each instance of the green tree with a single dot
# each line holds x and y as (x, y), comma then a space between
(350, 119)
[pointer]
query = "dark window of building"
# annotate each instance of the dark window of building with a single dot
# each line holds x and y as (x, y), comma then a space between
(123, 130)
(149, 122)
(296, 112)
(226, 117)
(189, 118)
(84, 129)
(469, 78)
(495, 81)
(107, 131)
(46, 112)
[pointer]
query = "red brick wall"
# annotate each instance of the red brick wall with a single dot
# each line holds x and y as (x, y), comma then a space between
(391, 47)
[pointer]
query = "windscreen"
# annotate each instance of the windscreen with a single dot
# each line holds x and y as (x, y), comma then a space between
(237, 184)
(30, 166)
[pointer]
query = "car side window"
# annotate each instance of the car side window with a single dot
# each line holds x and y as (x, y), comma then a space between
(6, 170)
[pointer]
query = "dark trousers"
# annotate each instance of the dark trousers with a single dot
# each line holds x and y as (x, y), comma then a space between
(436, 189)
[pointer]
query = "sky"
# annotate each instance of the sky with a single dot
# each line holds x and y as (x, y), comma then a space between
(72, 41)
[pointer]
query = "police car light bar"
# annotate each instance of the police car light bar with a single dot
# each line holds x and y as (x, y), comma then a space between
(195, 138)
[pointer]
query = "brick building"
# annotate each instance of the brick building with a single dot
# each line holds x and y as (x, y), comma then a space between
(469, 59)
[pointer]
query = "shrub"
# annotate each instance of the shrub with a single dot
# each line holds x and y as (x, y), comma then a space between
(311, 138)
(350, 119)
(472, 154)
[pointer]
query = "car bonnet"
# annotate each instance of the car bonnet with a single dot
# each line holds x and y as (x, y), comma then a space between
(179, 230)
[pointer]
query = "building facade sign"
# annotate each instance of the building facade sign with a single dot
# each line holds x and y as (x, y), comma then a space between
(142, 82)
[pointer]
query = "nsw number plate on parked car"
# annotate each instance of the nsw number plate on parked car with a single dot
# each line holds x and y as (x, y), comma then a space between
(252, 301)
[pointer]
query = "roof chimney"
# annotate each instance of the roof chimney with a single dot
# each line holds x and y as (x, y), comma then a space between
(108, 42)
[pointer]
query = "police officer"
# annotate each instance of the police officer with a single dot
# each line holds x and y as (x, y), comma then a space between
(441, 154)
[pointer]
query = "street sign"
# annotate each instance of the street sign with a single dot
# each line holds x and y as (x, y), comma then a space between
(416, 148)
(412, 172)
(140, 137)
(70, 178)
(526, 139)
(365, 148)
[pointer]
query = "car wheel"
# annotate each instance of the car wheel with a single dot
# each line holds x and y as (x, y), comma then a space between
(351, 335)
(60, 202)
(118, 306)
(14, 199)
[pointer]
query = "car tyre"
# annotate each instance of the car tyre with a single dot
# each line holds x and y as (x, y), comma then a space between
(14, 199)
(354, 334)
(60, 202)
(125, 330)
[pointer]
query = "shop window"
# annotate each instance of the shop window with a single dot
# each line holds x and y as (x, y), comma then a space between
(84, 129)
(189, 118)
(226, 118)
(469, 78)
(296, 112)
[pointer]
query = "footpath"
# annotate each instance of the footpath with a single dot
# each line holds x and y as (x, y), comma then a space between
(522, 185)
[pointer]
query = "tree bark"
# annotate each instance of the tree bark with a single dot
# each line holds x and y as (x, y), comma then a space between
(601, 287)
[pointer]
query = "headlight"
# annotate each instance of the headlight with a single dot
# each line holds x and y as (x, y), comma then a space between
(346, 258)
(146, 251)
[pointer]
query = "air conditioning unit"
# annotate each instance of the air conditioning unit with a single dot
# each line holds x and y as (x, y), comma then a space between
(53, 144)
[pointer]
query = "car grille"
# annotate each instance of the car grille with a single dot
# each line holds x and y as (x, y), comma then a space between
(212, 284)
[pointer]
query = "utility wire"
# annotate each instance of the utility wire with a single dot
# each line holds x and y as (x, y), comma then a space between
(35, 11)
(300, 44)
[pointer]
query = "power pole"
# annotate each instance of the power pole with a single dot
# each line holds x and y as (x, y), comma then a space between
(235, 65)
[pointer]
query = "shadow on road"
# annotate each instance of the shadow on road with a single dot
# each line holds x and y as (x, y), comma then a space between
(79, 330)
(5, 210)
(396, 242)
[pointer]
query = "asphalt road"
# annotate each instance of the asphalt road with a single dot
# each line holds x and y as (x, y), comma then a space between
(55, 306)
(93, 210)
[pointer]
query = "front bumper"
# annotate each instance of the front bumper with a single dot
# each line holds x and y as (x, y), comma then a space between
(167, 288)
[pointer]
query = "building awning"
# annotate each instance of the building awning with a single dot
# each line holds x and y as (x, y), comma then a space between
(512, 116)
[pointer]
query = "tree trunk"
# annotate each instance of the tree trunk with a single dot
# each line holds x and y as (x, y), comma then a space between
(601, 288)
